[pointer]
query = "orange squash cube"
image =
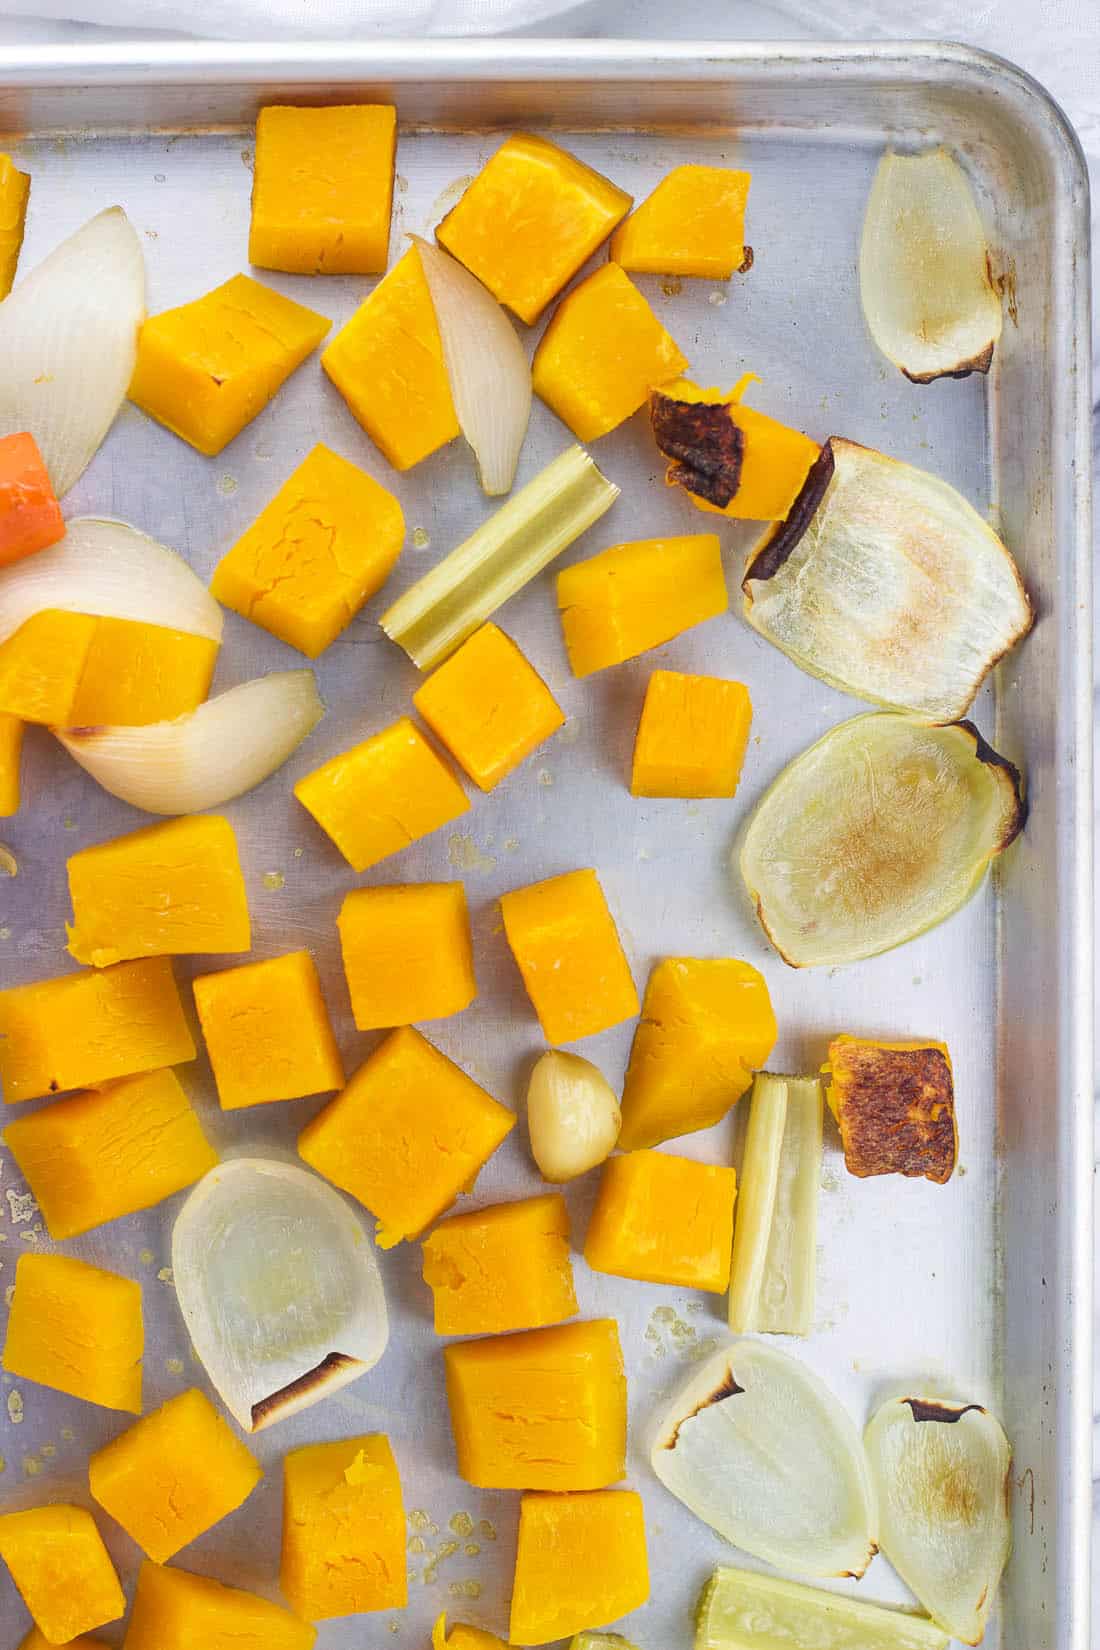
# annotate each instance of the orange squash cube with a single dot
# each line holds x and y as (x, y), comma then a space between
(894, 1104)
(407, 1135)
(30, 516)
(488, 706)
(580, 1562)
(730, 459)
(408, 954)
(110, 1152)
(175, 1610)
(387, 362)
(663, 1219)
(568, 950)
(11, 749)
(78, 1329)
(543, 1410)
(376, 798)
(636, 596)
(15, 188)
(35, 1640)
(463, 1637)
(322, 189)
(173, 1475)
(529, 220)
(692, 224)
(91, 1027)
(41, 664)
(707, 1025)
(692, 736)
(62, 1570)
(135, 674)
(344, 1529)
(165, 890)
(267, 1031)
(602, 353)
(502, 1268)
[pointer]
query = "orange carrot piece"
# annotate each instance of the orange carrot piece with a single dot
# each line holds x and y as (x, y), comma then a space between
(30, 516)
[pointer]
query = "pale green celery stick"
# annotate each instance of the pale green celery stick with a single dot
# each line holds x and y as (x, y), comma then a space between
(742, 1610)
(756, 1190)
(774, 1267)
(448, 604)
(600, 1641)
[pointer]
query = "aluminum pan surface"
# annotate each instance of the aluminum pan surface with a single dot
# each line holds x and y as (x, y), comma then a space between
(982, 1284)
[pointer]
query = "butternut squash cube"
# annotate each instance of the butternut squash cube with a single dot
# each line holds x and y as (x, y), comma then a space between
(78, 1329)
(205, 369)
(62, 1570)
(135, 674)
(165, 890)
(543, 1410)
(894, 1104)
(41, 664)
(15, 188)
(501, 1268)
(343, 1529)
(580, 1562)
(91, 1027)
(110, 1152)
(323, 546)
(488, 706)
(568, 950)
(408, 954)
(376, 798)
(173, 1475)
(635, 596)
(730, 459)
(463, 1637)
(11, 749)
(35, 1640)
(322, 189)
(663, 1219)
(692, 736)
(408, 1134)
(175, 1610)
(267, 1031)
(387, 362)
(602, 353)
(707, 1025)
(692, 224)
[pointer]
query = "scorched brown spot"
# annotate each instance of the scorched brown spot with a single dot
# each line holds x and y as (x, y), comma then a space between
(296, 1394)
(725, 1389)
(706, 447)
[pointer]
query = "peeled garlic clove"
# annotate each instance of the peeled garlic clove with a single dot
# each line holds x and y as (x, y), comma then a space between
(941, 1471)
(572, 1115)
(279, 1288)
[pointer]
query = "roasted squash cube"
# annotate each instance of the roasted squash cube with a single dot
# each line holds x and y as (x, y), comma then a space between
(529, 220)
(580, 1562)
(663, 1219)
(173, 1474)
(205, 369)
(707, 1025)
(463, 1637)
(78, 1329)
(408, 954)
(376, 798)
(730, 459)
(62, 1569)
(15, 188)
(110, 1152)
(568, 950)
(602, 353)
(408, 1134)
(344, 1529)
(175, 1610)
(35, 1640)
(692, 224)
(894, 1104)
(135, 674)
(30, 516)
(41, 664)
(488, 706)
(267, 1031)
(387, 362)
(692, 736)
(636, 596)
(91, 1027)
(11, 749)
(543, 1410)
(165, 890)
(322, 189)
(502, 1268)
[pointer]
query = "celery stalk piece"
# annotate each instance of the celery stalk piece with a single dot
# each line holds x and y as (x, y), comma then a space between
(448, 604)
(741, 1610)
(600, 1641)
(775, 1241)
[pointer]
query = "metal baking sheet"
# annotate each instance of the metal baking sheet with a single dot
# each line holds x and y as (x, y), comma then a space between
(981, 1286)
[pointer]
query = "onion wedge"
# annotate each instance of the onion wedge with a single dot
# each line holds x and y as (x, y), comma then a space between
(875, 834)
(742, 1610)
(486, 364)
(279, 1288)
(110, 570)
(924, 276)
(886, 583)
(941, 1471)
(68, 342)
(221, 750)
(758, 1448)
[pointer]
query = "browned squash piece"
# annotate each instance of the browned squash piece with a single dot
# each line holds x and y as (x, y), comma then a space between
(895, 1106)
